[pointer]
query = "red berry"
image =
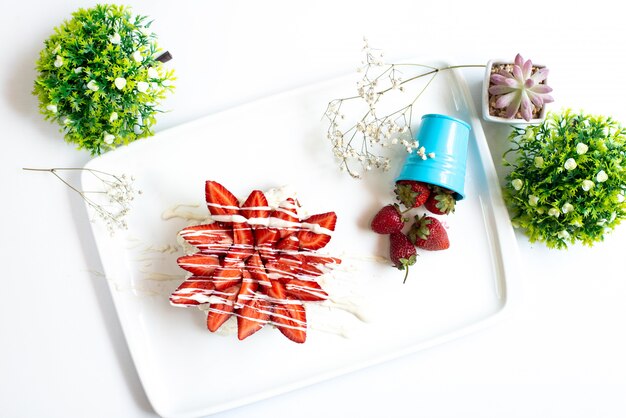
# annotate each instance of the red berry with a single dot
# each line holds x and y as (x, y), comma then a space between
(412, 194)
(428, 233)
(388, 220)
(440, 201)
(401, 252)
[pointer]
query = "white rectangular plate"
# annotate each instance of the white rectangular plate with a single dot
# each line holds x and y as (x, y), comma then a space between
(186, 370)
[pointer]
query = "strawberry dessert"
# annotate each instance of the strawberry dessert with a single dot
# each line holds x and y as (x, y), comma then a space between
(255, 262)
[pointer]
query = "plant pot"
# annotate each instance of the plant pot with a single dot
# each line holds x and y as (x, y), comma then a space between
(486, 97)
(447, 138)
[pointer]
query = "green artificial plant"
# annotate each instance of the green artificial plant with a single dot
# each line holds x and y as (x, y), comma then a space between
(568, 178)
(100, 78)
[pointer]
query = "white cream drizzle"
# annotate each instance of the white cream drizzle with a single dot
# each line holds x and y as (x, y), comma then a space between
(187, 215)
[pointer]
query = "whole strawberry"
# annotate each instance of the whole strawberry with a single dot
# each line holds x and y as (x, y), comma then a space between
(440, 202)
(412, 194)
(401, 252)
(388, 220)
(428, 233)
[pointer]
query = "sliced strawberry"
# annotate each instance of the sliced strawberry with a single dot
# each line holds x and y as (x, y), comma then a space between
(243, 241)
(255, 266)
(219, 200)
(308, 290)
(285, 218)
(213, 238)
(289, 243)
(193, 291)
(255, 208)
(265, 239)
(276, 291)
(282, 267)
(316, 229)
(313, 258)
(220, 312)
(248, 288)
(290, 319)
(199, 264)
(229, 273)
(252, 316)
(309, 270)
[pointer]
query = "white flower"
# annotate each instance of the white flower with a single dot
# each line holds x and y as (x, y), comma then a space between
(581, 148)
(142, 86)
(554, 212)
(115, 38)
(67, 121)
(52, 108)
(568, 207)
(570, 164)
(517, 184)
(120, 82)
(563, 234)
(57, 49)
(532, 200)
(137, 56)
(587, 185)
(539, 162)
(153, 73)
(108, 138)
(113, 117)
(602, 176)
(78, 70)
(58, 62)
(620, 198)
(93, 86)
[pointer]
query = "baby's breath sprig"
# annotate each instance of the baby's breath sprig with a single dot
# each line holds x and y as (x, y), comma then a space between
(101, 78)
(360, 140)
(568, 178)
(112, 202)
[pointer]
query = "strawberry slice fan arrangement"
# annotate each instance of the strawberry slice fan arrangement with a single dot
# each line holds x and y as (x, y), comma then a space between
(255, 262)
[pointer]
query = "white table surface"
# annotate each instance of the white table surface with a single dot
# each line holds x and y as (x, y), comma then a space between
(62, 353)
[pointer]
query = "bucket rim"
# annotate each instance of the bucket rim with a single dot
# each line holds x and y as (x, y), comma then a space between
(440, 116)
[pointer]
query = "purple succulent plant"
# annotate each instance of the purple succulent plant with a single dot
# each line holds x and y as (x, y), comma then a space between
(520, 90)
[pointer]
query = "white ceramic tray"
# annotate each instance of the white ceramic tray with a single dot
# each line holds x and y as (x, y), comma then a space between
(187, 371)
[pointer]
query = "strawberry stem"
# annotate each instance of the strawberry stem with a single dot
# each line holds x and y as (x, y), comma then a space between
(406, 274)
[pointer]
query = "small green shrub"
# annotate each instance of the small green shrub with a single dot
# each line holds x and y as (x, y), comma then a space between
(568, 178)
(99, 78)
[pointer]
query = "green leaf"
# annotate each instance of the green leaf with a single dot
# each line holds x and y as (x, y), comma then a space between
(84, 45)
(595, 211)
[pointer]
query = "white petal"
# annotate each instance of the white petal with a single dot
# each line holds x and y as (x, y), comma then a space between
(115, 38)
(120, 82)
(108, 138)
(601, 177)
(570, 164)
(142, 86)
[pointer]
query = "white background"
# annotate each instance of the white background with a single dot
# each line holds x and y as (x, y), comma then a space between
(62, 352)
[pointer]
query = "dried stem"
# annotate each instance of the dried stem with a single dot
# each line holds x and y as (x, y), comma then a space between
(116, 195)
(372, 130)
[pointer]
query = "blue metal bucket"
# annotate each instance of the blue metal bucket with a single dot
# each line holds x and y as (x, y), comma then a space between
(448, 138)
